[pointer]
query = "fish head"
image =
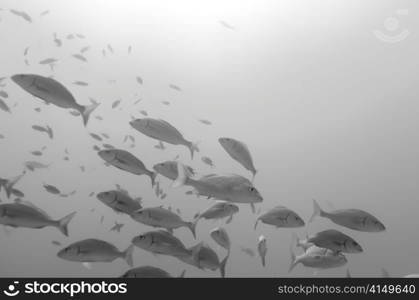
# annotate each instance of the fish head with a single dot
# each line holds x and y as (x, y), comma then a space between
(68, 253)
(231, 208)
(140, 215)
(374, 225)
(143, 241)
(106, 197)
(294, 220)
(352, 246)
(167, 169)
(23, 80)
(107, 155)
(248, 194)
(225, 142)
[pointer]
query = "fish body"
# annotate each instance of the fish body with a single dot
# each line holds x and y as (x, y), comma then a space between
(281, 217)
(161, 242)
(262, 249)
(335, 241)
(119, 201)
(239, 152)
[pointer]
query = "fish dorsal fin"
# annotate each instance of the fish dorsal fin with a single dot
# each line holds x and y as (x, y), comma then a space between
(30, 204)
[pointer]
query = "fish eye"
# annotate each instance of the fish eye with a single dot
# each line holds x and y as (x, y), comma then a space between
(252, 189)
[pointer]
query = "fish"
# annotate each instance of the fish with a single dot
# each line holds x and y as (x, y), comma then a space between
(57, 41)
(175, 87)
(219, 210)
(207, 160)
(169, 169)
(239, 152)
(336, 241)
(161, 217)
(166, 102)
(21, 14)
(161, 242)
(231, 187)
(139, 80)
(80, 83)
(318, 258)
(203, 257)
(8, 185)
(117, 227)
(163, 131)
(143, 112)
(148, 272)
(226, 25)
(220, 236)
(32, 165)
(119, 201)
(206, 122)
(95, 250)
(46, 129)
(4, 94)
(281, 217)
(126, 161)
(262, 249)
(84, 49)
(116, 103)
(108, 146)
(52, 91)
(56, 243)
(160, 146)
(4, 106)
(354, 219)
(70, 36)
(29, 216)
(129, 49)
(80, 57)
(110, 48)
(48, 61)
(51, 189)
(248, 251)
(36, 153)
(45, 12)
(96, 136)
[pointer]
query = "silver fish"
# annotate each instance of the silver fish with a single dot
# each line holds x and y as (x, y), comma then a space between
(148, 272)
(335, 241)
(281, 217)
(119, 201)
(262, 249)
(318, 258)
(220, 236)
(51, 91)
(239, 152)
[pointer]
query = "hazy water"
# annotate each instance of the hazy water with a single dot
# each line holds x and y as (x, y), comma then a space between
(327, 109)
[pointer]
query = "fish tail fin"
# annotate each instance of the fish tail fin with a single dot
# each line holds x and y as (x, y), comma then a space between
(253, 208)
(193, 147)
(182, 177)
(256, 223)
(317, 211)
(293, 260)
(223, 266)
(127, 255)
(192, 227)
(87, 110)
(385, 273)
(153, 176)
(50, 132)
(182, 275)
(63, 223)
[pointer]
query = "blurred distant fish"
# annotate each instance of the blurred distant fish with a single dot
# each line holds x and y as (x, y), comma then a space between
(52, 91)
(1, 136)
(94, 250)
(163, 131)
(129, 49)
(117, 227)
(21, 14)
(175, 87)
(4, 106)
(84, 49)
(57, 41)
(56, 243)
(36, 153)
(26, 51)
(116, 103)
(110, 48)
(81, 83)
(48, 61)
(143, 112)
(226, 25)
(160, 146)
(99, 118)
(47, 130)
(262, 249)
(207, 160)
(80, 36)
(80, 57)
(206, 122)
(37, 109)
(139, 80)
(108, 146)
(51, 189)
(32, 165)
(29, 216)
(248, 251)
(70, 36)
(96, 136)
(166, 102)
(45, 12)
